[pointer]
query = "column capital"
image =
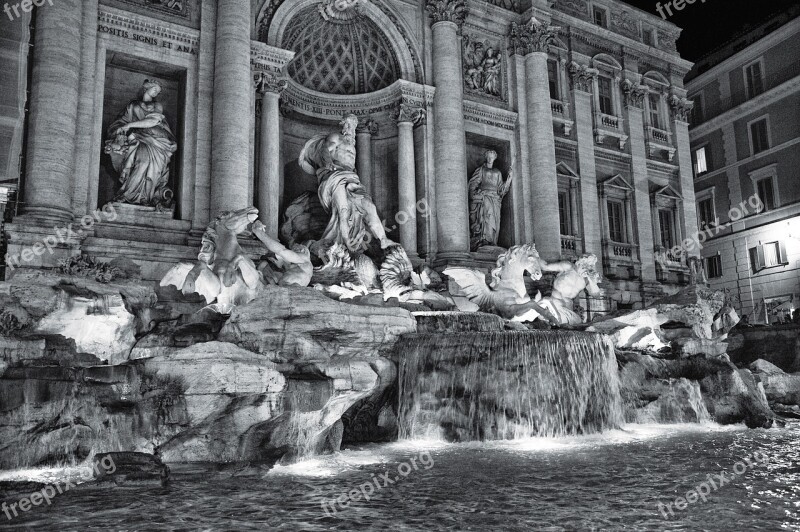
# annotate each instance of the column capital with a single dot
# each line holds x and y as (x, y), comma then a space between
(447, 11)
(407, 112)
(633, 94)
(680, 107)
(534, 36)
(268, 82)
(582, 76)
(368, 126)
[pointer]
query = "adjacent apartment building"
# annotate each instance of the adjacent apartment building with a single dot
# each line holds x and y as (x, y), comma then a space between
(745, 139)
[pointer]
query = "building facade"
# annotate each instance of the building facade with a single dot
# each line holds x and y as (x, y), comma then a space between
(583, 101)
(745, 138)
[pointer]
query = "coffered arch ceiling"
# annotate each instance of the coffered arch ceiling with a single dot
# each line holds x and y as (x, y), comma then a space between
(363, 52)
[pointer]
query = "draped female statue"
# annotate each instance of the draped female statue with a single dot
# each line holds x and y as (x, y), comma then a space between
(486, 191)
(141, 145)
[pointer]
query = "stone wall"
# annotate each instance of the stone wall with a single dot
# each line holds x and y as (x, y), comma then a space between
(779, 345)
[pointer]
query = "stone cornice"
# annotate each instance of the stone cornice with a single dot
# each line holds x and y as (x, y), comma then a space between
(326, 106)
(264, 57)
(745, 56)
(127, 25)
(491, 116)
(612, 42)
(533, 36)
(447, 11)
(762, 100)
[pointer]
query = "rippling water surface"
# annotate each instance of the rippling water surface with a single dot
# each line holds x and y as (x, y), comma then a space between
(612, 481)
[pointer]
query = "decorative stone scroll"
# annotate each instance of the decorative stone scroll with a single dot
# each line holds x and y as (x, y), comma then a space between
(582, 76)
(681, 107)
(269, 82)
(410, 113)
(535, 36)
(368, 125)
(447, 11)
(579, 8)
(633, 94)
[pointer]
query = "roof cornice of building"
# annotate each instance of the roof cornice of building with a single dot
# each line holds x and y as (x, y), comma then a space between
(764, 43)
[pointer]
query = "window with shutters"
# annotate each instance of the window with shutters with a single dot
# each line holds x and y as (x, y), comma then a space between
(768, 255)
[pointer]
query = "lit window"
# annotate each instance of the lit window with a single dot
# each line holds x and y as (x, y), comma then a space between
(767, 256)
(600, 17)
(759, 137)
(700, 162)
(604, 85)
(755, 79)
(714, 267)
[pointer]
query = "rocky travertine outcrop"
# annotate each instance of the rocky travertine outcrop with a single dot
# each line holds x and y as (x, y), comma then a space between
(690, 389)
(782, 389)
(102, 318)
(295, 324)
(302, 361)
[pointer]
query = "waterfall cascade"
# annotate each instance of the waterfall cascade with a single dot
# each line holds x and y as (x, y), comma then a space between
(504, 385)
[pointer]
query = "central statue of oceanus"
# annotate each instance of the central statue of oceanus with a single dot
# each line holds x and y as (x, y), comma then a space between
(354, 221)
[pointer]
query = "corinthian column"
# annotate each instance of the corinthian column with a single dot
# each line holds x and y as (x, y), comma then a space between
(230, 148)
(364, 132)
(270, 88)
(533, 41)
(407, 116)
(450, 148)
(54, 111)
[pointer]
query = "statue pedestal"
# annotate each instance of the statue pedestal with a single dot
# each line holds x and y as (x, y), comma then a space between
(137, 214)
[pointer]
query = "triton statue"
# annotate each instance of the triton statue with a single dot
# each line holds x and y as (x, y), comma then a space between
(507, 296)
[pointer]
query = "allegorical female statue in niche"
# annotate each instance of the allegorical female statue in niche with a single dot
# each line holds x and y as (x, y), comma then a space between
(486, 192)
(141, 145)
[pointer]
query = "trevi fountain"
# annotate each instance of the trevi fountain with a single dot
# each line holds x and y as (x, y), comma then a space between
(201, 355)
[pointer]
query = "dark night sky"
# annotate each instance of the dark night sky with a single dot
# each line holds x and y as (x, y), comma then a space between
(708, 25)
